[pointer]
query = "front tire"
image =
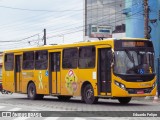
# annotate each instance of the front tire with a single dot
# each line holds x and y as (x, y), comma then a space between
(124, 100)
(88, 95)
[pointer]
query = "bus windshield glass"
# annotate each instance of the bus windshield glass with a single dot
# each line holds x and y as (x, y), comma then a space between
(134, 62)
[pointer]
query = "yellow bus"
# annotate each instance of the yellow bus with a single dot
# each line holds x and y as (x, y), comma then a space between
(112, 68)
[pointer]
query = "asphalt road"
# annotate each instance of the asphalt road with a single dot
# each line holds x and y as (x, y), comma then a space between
(75, 109)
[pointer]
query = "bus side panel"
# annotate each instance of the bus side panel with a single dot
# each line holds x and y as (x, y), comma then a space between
(89, 75)
(8, 81)
(69, 82)
(41, 81)
(72, 80)
(27, 75)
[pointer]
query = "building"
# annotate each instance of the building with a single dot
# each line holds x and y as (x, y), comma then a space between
(135, 26)
(104, 14)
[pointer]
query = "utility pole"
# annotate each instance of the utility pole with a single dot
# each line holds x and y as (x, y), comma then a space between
(44, 37)
(146, 19)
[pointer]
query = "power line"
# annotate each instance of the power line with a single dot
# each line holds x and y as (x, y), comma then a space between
(78, 30)
(63, 33)
(105, 16)
(82, 9)
(33, 25)
(24, 9)
(38, 25)
(84, 26)
(21, 39)
(39, 33)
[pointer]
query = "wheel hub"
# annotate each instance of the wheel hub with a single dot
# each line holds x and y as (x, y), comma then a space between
(89, 94)
(31, 92)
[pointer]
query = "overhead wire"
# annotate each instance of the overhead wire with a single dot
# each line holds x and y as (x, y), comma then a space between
(50, 37)
(9, 26)
(25, 38)
(23, 27)
(24, 9)
(84, 26)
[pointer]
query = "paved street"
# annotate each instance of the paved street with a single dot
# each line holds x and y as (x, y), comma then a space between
(19, 102)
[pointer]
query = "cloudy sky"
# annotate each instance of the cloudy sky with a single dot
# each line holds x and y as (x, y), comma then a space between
(22, 19)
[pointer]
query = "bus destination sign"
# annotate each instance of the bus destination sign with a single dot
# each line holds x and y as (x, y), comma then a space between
(133, 44)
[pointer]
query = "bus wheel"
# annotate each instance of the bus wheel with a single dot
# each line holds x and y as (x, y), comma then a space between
(88, 95)
(64, 98)
(32, 92)
(124, 100)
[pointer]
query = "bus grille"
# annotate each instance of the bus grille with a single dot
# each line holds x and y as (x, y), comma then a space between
(138, 91)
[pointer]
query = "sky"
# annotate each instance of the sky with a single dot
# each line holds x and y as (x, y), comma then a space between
(22, 22)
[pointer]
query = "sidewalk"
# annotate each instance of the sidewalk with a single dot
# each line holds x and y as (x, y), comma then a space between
(147, 99)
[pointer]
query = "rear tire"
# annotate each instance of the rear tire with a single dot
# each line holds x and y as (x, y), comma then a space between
(88, 95)
(124, 100)
(31, 91)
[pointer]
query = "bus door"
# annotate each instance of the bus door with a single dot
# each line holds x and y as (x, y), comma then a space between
(17, 72)
(54, 74)
(104, 70)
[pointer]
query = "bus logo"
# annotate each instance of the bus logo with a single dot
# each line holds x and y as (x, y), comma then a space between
(141, 71)
(71, 81)
(40, 80)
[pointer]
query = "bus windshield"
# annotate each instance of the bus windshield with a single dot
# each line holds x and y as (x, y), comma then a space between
(134, 62)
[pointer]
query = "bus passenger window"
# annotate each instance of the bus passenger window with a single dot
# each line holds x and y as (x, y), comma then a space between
(9, 59)
(87, 57)
(70, 58)
(28, 60)
(41, 60)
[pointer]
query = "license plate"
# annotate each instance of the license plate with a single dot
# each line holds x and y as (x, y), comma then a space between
(140, 92)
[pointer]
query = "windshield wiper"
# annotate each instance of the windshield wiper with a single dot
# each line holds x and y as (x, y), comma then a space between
(131, 58)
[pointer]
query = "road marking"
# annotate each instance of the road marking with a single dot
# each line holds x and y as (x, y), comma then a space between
(79, 118)
(21, 118)
(52, 118)
(15, 109)
(2, 107)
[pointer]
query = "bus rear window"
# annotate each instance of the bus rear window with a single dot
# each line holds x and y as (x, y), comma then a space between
(9, 60)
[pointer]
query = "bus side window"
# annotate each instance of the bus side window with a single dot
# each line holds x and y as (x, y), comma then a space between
(87, 57)
(9, 61)
(28, 60)
(41, 60)
(70, 58)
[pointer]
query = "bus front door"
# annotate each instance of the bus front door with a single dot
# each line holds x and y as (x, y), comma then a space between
(18, 76)
(55, 77)
(104, 70)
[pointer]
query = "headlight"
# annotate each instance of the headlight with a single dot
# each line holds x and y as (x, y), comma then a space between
(154, 84)
(117, 83)
(120, 85)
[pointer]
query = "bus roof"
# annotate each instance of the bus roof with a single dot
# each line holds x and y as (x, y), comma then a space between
(77, 44)
(128, 38)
